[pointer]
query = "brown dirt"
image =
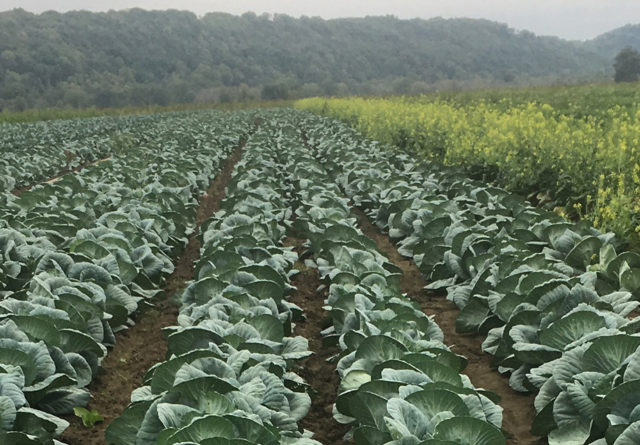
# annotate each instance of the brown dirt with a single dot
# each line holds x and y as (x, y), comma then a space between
(518, 408)
(58, 176)
(319, 373)
(140, 347)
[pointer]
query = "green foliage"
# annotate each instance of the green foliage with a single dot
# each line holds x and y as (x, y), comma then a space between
(580, 101)
(81, 59)
(627, 65)
(553, 298)
(89, 418)
(45, 114)
(231, 367)
(79, 254)
(399, 382)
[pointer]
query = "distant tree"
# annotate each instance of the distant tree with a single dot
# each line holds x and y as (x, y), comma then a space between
(275, 91)
(627, 65)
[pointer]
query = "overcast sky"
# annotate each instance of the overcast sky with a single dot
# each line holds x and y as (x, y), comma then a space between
(571, 19)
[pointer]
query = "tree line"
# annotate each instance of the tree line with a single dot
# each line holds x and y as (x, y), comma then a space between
(139, 58)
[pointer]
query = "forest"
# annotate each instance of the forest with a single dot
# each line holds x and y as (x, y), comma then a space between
(138, 58)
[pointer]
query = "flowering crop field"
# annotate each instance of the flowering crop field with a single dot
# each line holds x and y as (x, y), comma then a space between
(579, 152)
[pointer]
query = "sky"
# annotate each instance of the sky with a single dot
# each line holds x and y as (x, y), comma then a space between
(569, 19)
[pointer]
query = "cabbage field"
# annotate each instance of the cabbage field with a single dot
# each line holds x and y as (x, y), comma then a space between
(309, 285)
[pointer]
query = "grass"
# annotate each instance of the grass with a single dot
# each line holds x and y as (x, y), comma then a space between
(45, 114)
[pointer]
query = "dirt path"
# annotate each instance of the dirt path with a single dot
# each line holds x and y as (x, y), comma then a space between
(142, 346)
(319, 373)
(518, 408)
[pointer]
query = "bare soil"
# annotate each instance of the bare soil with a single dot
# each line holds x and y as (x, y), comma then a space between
(143, 345)
(316, 371)
(518, 408)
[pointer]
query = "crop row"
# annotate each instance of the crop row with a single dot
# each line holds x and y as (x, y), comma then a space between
(552, 297)
(78, 255)
(399, 382)
(229, 370)
(228, 377)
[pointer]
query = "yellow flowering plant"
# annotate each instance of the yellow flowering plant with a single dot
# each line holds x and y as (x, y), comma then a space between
(585, 161)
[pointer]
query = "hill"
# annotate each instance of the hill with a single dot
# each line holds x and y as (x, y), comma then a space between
(610, 43)
(138, 57)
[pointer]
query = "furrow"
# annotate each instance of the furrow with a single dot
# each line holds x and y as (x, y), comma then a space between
(143, 345)
(518, 408)
(230, 369)
(316, 369)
